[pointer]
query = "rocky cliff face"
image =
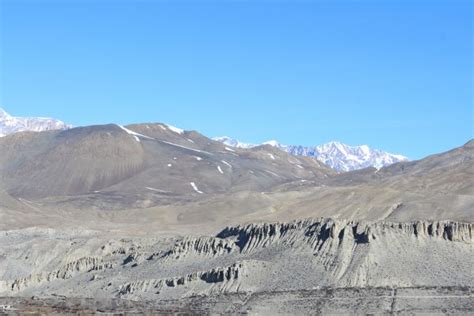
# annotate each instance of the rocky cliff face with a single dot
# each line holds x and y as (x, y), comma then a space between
(299, 255)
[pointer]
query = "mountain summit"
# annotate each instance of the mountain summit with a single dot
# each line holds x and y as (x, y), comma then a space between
(10, 124)
(336, 155)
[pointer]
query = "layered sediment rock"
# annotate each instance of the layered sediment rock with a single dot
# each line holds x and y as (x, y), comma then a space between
(87, 264)
(216, 275)
(297, 255)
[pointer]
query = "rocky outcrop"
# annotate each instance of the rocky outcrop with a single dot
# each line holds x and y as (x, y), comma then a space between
(317, 232)
(208, 246)
(222, 274)
(262, 235)
(255, 257)
(350, 251)
(216, 275)
(452, 231)
(87, 264)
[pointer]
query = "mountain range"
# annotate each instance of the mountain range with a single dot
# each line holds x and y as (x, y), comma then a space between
(152, 214)
(10, 124)
(336, 155)
(155, 166)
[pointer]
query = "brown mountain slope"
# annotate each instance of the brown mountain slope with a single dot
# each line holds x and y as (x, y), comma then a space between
(139, 165)
(179, 181)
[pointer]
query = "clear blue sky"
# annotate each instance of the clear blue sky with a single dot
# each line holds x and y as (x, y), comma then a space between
(396, 75)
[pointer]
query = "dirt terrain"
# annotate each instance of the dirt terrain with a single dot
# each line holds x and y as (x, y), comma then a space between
(149, 218)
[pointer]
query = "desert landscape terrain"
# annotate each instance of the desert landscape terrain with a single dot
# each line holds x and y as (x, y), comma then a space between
(150, 218)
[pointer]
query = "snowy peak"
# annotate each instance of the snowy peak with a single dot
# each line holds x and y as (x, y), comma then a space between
(3, 114)
(335, 154)
(274, 143)
(343, 157)
(10, 124)
(233, 142)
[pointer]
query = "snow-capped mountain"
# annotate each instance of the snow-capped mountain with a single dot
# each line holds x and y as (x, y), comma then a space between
(10, 124)
(233, 142)
(343, 157)
(336, 155)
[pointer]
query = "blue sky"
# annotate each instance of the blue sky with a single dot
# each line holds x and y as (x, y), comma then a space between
(396, 75)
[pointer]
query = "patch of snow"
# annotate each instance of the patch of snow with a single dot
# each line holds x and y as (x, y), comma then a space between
(162, 127)
(135, 134)
(273, 143)
(399, 157)
(184, 147)
(175, 129)
(170, 165)
(300, 166)
(195, 188)
(365, 150)
(271, 156)
(273, 173)
(229, 149)
(198, 158)
(226, 163)
(232, 142)
(157, 190)
(190, 140)
(220, 170)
